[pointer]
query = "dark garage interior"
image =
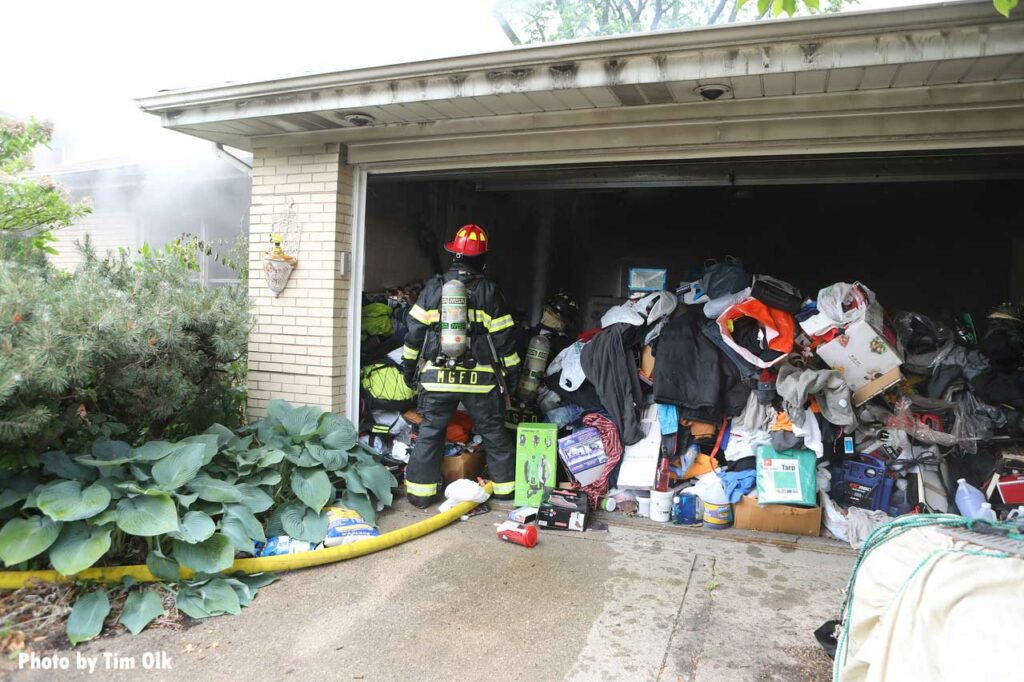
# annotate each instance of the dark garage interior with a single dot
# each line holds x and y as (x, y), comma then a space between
(928, 233)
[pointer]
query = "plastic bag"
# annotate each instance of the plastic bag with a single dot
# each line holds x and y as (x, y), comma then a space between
(904, 420)
(845, 303)
(717, 306)
(724, 278)
(925, 341)
(975, 421)
(778, 327)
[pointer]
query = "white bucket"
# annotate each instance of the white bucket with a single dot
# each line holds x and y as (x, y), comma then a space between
(643, 506)
(661, 505)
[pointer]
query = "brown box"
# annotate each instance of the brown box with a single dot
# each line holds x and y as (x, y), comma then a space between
(870, 390)
(776, 518)
(466, 465)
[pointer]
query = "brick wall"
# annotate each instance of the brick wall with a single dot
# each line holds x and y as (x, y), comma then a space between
(298, 344)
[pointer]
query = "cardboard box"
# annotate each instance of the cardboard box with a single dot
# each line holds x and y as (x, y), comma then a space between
(583, 455)
(866, 351)
(536, 454)
(776, 518)
(873, 388)
(565, 510)
(465, 465)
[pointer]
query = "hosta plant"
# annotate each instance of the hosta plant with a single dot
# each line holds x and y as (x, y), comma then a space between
(196, 503)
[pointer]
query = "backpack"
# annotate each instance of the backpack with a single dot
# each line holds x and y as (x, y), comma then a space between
(386, 388)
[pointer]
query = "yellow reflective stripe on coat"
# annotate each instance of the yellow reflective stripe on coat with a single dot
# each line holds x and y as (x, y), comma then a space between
(504, 488)
(425, 316)
(454, 388)
(499, 324)
(510, 360)
(420, 489)
(410, 353)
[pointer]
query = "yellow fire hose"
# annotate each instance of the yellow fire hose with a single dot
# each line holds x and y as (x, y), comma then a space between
(12, 580)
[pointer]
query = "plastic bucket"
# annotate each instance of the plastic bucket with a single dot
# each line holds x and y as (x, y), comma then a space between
(717, 516)
(661, 505)
(643, 506)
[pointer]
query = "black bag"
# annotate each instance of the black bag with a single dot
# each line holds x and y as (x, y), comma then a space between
(775, 293)
(724, 278)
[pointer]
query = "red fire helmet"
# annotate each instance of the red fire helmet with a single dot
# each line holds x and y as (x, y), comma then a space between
(470, 240)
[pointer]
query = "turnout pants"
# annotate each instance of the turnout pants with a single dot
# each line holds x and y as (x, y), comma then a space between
(423, 473)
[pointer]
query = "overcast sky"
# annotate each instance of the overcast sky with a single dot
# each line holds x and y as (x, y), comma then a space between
(81, 63)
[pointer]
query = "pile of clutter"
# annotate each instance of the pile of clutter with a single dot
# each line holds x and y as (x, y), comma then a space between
(737, 401)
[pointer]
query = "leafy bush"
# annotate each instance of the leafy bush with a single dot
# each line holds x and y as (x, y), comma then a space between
(195, 503)
(138, 350)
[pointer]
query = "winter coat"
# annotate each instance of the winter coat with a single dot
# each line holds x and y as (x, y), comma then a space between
(610, 364)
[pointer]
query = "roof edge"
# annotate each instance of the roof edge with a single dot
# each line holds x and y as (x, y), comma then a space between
(943, 14)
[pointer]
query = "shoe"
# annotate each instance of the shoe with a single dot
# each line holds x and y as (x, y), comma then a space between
(507, 496)
(423, 502)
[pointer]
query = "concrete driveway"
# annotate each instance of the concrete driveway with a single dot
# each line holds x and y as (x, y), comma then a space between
(640, 601)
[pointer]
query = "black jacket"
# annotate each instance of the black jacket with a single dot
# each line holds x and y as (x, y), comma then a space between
(609, 362)
(486, 315)
(691, 372)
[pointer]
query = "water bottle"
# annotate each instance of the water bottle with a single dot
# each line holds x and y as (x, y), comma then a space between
(968, 499)
(986, 513)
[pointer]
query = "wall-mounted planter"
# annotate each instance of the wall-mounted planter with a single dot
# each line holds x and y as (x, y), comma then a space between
(277, 270)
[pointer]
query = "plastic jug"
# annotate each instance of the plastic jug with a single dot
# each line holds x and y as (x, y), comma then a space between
(986, 513)
(968, 499)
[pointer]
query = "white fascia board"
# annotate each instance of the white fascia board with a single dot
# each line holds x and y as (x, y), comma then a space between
(950, 30)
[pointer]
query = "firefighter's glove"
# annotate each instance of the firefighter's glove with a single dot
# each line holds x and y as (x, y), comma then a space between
(409, 373)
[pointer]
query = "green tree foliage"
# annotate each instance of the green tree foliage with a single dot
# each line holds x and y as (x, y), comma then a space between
(531, 21)
(30, 207)
(118, 347)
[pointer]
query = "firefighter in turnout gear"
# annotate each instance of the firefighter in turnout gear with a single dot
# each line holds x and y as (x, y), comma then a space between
(462, 355)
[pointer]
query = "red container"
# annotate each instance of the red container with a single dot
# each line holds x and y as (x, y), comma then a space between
(511, 531)
(1011, 489)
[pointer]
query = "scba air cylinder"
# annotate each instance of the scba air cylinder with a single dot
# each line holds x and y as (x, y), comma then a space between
(453, 319)
(537, 354)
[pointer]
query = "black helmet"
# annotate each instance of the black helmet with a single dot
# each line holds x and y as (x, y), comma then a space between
(564, 304)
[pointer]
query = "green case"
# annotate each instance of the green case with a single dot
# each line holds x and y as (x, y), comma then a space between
(786, 477)
(536, 459)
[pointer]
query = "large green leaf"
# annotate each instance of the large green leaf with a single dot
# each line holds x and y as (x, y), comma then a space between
(215, 490)
(22, 539)
(162, 567)
(223, 433)
(209, 556)
(215, 597)
(108, 453)
(249, 522)
(67, 501)
(266, 477)
(302, 523)
(61, 465)
(256, 580)
(312, 486)
(209, 443)
(342, 439)
(196, 527)
(179, 467)
(79, 546)
(17, 487)
(153, 450)
(330, 459)
(278, 409)
(301, 422)
(378, 479)
(86, 619)
(235, 531)
(269, 457)
(1004, 6)
(147, 515)
(352, 480)
(242, 591)
(140, 609)
(300, 456)
(359, 503)
(255, 498)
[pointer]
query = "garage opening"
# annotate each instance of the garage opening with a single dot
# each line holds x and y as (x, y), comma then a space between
(937, 234)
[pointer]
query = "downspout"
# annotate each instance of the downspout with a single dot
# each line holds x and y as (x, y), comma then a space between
(231, 159)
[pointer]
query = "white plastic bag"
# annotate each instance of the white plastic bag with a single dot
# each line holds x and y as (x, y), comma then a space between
(834, 298)
(462, 490)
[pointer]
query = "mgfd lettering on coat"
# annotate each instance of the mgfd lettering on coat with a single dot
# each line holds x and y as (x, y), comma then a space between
(462, 377)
